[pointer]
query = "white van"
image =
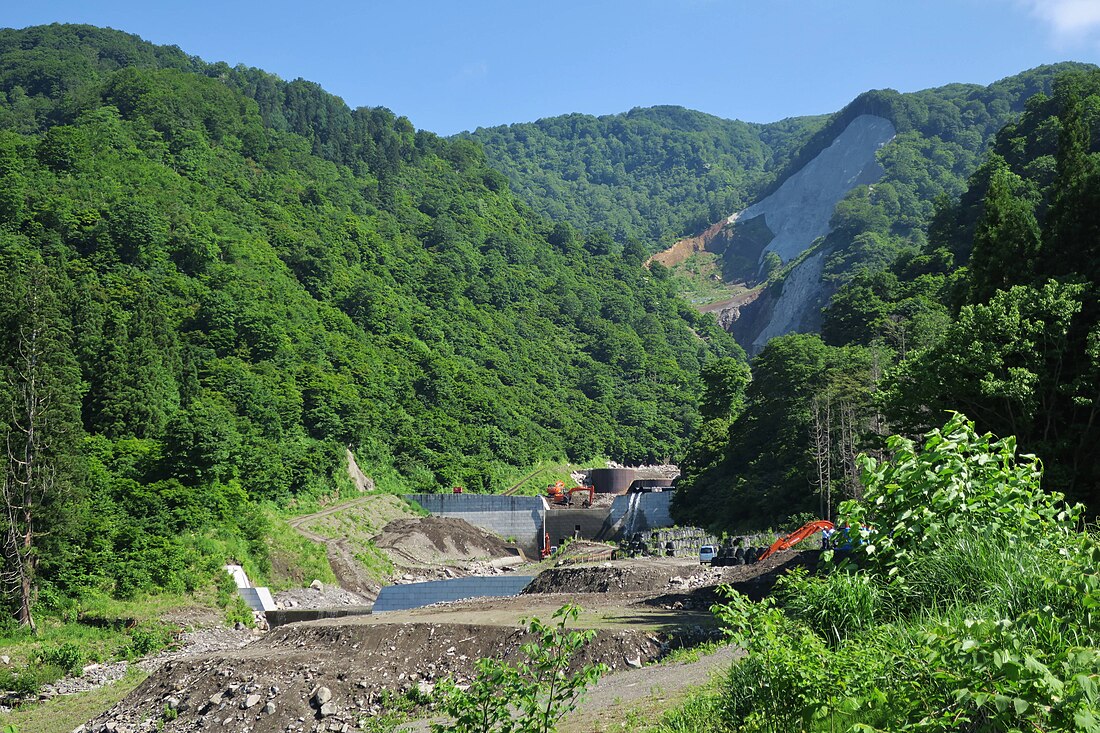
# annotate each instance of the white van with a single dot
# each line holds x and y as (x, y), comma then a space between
(707, 553)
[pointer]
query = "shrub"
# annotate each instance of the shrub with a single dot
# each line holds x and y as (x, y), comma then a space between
(146, 639)
(67, 657)
(530, 697)
(958, 483)
(971, 608)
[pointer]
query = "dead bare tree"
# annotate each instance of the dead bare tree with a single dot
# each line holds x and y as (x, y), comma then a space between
(848, 451)
(41, 379)
(821, 434)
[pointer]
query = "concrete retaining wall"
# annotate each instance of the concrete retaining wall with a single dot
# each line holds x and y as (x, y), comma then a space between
(283, 616)
(562, 523)
(524, 517)
(415, 595)
(639, 512)
(505, 516)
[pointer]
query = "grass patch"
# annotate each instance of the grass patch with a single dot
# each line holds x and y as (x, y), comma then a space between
(533, 480)
(63, 714)
(701, 712)
(295, 560)
(699, 279)
(693, 653)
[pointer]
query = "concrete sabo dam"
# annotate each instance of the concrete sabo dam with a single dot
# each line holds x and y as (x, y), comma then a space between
(527, 518)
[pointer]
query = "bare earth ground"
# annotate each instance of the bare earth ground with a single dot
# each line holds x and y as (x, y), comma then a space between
(331, 675)
(334, 675)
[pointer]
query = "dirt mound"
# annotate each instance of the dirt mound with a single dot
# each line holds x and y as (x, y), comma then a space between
(655, 574)
(330, 676)
(440, 540)
(606, 578)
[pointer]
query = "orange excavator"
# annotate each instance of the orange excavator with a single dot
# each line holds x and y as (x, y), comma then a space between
(557, 494)
(806, 530)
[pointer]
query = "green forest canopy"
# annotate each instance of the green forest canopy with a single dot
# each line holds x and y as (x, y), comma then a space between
(248, 276)
(996, 314)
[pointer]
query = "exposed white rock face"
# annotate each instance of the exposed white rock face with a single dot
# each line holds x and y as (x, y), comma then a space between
(802, 290)
(799, 210)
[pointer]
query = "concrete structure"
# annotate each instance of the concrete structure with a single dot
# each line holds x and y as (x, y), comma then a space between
(258, 599)
(526, 518)
(518, 517)
(283, 616)
(574, 523)
(638, 513)
(611, 480)
(415, 595)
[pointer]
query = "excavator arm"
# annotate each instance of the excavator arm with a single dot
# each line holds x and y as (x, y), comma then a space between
(807, 530)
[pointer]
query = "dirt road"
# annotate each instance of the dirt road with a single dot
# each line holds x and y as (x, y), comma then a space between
(622, 700)
(347, 569)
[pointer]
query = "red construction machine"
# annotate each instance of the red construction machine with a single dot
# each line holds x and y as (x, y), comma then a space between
(806, 530)
(558, 494)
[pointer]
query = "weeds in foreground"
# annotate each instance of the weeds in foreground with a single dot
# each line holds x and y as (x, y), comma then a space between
(969, 607)
(529, 697)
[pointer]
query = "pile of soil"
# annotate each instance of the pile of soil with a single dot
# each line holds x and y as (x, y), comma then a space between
(330, 676)
(609, 577)
(656, 574)
(440, 541)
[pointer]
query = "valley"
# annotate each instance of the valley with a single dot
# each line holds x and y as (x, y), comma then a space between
(316, 421)
(641, 609)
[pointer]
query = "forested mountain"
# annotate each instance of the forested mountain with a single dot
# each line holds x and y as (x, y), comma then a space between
(218, 280)
(656, 173)
(666, 172)
(940, 137)
(995, 315)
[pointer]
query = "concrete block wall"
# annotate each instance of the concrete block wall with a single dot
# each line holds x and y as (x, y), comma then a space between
(505, 516)
(415, 595)
(562, 523)
(258, 599)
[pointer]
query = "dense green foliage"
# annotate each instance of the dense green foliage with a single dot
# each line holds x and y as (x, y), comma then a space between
(1011, 337)
(657, 173)
(985, 302)
(250, 276)
(969, 607)
(763, 465)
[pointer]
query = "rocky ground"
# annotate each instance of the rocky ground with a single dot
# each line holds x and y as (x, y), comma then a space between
(336, 674)
(331, 676)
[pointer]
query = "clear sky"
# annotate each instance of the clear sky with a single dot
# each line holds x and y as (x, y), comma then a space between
(452, 65)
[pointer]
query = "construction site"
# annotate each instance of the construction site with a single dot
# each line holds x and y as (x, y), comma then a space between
(457, 585)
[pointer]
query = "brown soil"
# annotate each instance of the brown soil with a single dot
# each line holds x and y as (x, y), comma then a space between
(440, 541)
(359, 665)
(685, 248)
(639, 608)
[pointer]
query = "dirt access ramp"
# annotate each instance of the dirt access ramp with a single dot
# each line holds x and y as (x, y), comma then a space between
(329, 676)
(346, 529)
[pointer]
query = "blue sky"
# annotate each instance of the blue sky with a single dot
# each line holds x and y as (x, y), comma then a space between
(460, 64)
